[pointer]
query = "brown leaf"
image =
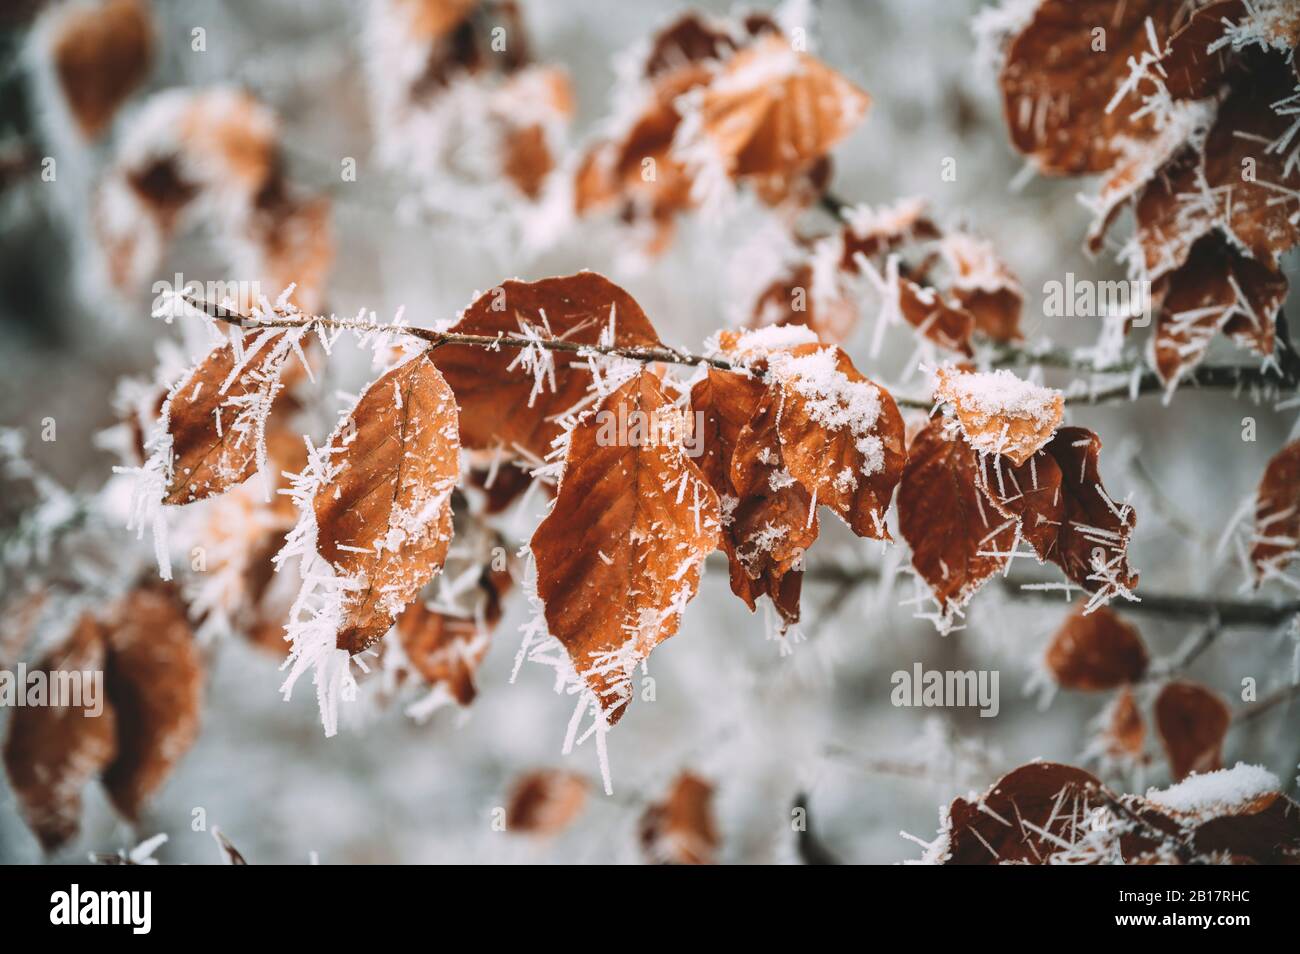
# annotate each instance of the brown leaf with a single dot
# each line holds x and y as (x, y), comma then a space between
(1190, 70)
(101, 55)
(1096, 651)
(999, 413)
(1056, 87)
(384, 519)
(545, 802)
(874, 233)
(1126, 731)
(941, 320)
(791, 300)
(447, 649)
(983, 285)
(773, 112)
(768, 521)
(155, 682)
(1065, 513)
(498, 404)
(1266, 831)
(216, 417)
(1277, 514)
(1007, 823)
(841, 435)
(958, 540)
(52, 751)
(1201, 298)
(680, 830)
(1192, 722)
(622, 549)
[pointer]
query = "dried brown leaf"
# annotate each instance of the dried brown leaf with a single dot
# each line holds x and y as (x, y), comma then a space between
(545, 802)
(155, 682)
(1277, 514)
(1095, 651)
(680, 830)
(497, 403)
(384, 520)
(622, 549)
(1192, 722)
(52, 751)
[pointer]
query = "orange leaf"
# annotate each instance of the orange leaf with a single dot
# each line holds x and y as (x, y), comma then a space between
(52, 751)
(958, 540)
(621, 551)
(772, 113)
(1277, 514)
(1056, 86)
(216, 417)
(1065, 513)
(1192, 722)
(498, 404)
(384, 517)
(943, 321)
(841, 435)
(544, 803)
(680, 830)
(1097, 650)
(999, 413)
(155, 682)
(102, 54)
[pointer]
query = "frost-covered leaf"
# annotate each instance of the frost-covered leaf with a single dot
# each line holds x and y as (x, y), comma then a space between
(154, 680)
(501, 403)
(942, 320)
(621, 552)
(1095, 651)
(101, 54)
(446, 649)
(52, 751)
(770, 115)
(1028, 815)
(1277, 514)
(1056, 86)
(983, 285)
(841, 435)
(1215, 290)
(1192, 722)
(545, 802)
(681, 830)
(767, 515)
(958, 539)
(384, 517)
(1190, 69)
(1065, 514)
(216, 416)
(1000, 413)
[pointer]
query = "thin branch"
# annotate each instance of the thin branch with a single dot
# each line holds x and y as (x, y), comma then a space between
(1228, 612)
(1274, 699)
